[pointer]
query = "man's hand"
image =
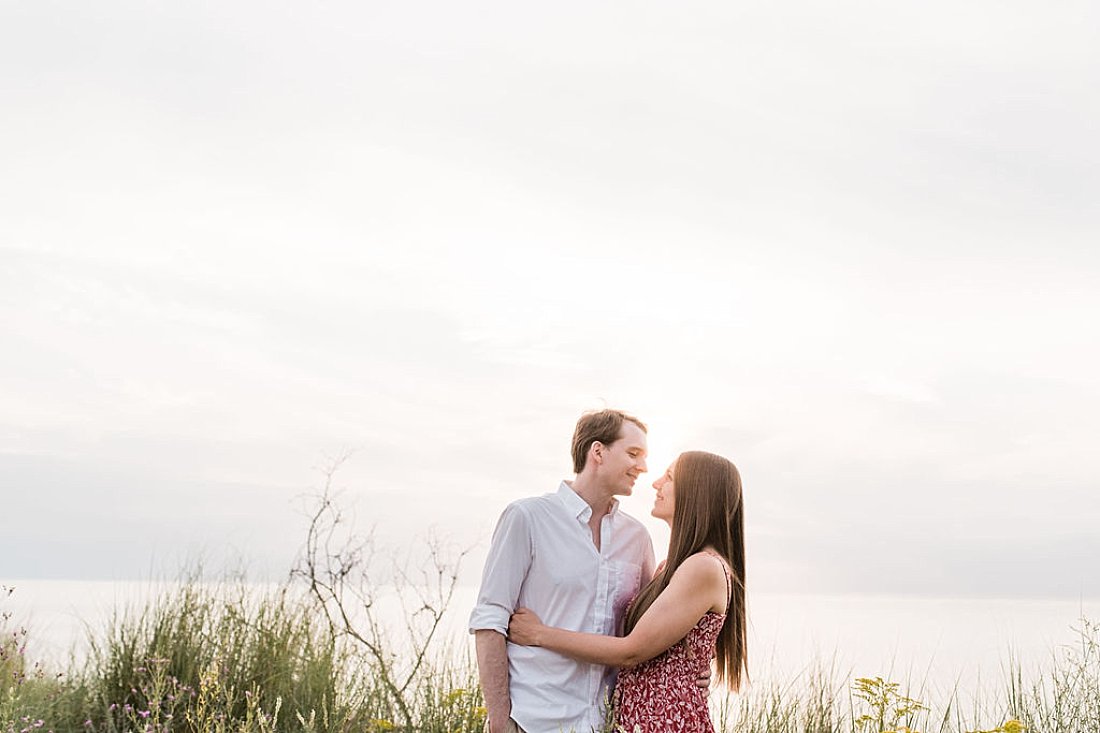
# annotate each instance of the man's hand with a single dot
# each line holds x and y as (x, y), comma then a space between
(704, 680)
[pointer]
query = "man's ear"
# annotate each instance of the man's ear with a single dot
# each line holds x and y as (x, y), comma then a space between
(596, 451)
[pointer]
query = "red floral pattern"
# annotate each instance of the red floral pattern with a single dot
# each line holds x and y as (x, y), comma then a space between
(661, 695)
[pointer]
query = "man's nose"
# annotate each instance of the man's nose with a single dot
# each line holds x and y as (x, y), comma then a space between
(642, 468)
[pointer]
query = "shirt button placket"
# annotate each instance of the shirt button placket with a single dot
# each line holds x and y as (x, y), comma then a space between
(603, 610)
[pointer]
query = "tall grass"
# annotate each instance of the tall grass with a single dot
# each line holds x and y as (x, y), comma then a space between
(248, 649)
(228, 658)
(1061, 696)
(1065, 696)
(225, 657)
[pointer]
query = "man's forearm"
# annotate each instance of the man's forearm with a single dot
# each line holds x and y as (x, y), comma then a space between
(492, 669)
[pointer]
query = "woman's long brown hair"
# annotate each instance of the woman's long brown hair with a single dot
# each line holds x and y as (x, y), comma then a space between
(707, 512)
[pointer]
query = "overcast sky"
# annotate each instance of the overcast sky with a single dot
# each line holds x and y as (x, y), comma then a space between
(850, 245)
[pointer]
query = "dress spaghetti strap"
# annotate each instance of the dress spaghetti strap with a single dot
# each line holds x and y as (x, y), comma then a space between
(727, 573)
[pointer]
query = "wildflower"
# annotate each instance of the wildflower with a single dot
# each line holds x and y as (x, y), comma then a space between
(1013, 726)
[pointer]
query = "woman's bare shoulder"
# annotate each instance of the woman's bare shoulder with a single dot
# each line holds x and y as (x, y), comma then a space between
(703, 567)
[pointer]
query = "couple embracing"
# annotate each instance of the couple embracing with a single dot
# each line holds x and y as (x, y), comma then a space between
(570, 597)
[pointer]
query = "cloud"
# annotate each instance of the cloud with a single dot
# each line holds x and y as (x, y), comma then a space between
(851, 248)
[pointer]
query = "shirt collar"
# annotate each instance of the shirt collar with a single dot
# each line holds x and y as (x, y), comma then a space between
(578, 507)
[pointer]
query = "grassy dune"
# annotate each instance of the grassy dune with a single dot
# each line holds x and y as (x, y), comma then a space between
(223, 657)
(314, 656)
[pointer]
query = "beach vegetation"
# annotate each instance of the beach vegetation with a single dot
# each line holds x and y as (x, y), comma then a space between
(314, 655)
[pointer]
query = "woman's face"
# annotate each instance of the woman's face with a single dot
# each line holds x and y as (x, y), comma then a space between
(666, 496)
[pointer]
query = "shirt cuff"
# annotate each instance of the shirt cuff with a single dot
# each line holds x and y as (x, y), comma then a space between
(494, 618)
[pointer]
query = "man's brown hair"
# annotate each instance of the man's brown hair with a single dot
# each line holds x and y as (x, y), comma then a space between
(603, 426)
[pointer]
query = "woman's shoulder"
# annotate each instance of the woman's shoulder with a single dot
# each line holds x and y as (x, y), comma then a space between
(704, 566)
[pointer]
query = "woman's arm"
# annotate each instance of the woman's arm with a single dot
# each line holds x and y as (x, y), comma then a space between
(690, 593)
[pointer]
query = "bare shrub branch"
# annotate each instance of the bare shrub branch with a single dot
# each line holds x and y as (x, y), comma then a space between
(342, 570)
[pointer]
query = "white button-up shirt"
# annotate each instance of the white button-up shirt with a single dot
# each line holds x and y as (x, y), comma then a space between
(543, 558)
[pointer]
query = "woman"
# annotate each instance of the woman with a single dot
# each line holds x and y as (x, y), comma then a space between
(693, 609)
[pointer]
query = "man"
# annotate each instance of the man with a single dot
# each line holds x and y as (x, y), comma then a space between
(576, 560)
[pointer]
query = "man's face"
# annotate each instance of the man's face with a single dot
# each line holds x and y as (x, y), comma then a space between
(624, 460)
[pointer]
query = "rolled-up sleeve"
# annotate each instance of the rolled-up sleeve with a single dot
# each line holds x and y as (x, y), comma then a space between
(505, 569)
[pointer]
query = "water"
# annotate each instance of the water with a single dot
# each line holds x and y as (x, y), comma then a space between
(932, 642)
